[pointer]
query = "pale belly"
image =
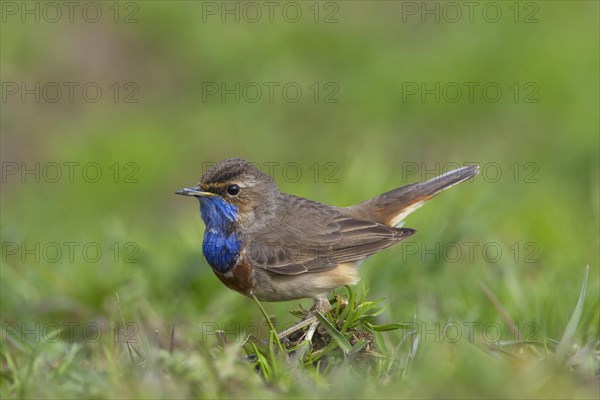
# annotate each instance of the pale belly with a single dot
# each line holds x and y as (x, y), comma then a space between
(273, 287)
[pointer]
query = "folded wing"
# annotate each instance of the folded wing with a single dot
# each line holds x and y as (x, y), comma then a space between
(313, 238)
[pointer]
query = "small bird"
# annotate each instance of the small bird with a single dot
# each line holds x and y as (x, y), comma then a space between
(277, 246)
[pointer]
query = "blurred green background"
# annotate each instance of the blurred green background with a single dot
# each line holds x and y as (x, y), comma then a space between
(378, 108)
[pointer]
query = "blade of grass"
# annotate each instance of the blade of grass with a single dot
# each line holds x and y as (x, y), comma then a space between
(269, 322)
(124, 325)
(335, 334)
(262, 363)
(349, 306)
(172, 341)
(388, 327)
(567, 339)
(358, 346)
(501, 310)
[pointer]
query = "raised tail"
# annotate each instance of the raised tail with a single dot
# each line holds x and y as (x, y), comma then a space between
(392, 207)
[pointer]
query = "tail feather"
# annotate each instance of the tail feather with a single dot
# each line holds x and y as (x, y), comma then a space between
(392, 207)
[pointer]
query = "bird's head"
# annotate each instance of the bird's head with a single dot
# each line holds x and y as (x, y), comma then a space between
(232, 190)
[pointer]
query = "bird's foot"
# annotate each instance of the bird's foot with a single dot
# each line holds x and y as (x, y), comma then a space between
(311, 319)
(322, 306)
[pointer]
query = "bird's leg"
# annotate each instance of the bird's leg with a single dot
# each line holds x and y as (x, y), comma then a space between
(321, 305)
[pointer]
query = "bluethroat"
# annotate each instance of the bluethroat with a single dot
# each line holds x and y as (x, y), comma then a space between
(277, 246)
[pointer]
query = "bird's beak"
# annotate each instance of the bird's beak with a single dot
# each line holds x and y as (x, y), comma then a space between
(194, 191)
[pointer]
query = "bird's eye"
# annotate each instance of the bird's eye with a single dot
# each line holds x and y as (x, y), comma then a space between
(233, 190)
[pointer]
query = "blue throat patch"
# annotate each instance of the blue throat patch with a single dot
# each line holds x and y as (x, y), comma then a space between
(220, 245)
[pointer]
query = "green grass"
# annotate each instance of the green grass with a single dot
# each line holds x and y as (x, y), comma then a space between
(348, 348)
(149, 319)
